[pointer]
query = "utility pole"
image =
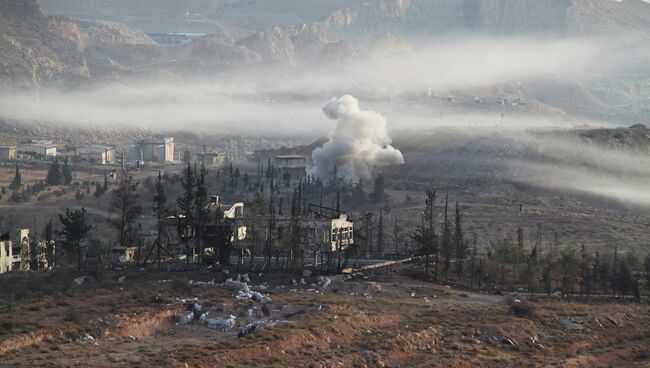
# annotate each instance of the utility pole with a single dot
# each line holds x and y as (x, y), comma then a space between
(396, 231)
(366, 246)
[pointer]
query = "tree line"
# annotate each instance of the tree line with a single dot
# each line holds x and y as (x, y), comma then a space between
(509, 265)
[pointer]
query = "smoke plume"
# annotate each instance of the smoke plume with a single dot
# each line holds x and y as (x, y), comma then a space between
(358, 144)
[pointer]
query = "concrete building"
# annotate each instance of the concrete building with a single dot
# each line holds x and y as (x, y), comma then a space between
(233, 212)
(22, 246)
(37, 147)
(7, 152)
(212, 159)
(154, 149)
(6, 256)
(96, 154)
(322, 230)
(290, 167)
(327, 230)
(15, 252)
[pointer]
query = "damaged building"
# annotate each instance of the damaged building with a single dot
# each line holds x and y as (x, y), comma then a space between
(325, 234)
(212, 159)
(36, 147)
(177, 235)
(96, 154)
(154, 149)
(16, 251)
(7, 153)
(290, 168)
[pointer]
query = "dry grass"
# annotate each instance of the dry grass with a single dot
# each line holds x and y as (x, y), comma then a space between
(346, 328)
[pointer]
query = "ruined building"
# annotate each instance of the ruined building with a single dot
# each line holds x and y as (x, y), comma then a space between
(154, 149)
(96, 154)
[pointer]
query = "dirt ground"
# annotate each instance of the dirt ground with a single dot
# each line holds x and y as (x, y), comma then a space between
(384, 319)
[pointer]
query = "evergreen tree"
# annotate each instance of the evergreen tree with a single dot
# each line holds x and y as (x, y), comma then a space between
(160, 211)
(125, 201)
(75, 229)
(246, 180)
(380, 233)
(224, 235)
(100, 189)
(623, 279)
(446, 238)
(201, 208)
(186, 208)
(17, 181)
(66, 172)
(358, 193)
(379, 193)
(48, 235)
(425, 235)
(187, 156)
(54, 176)
(459, 243)
(269, 169)
(569, 268)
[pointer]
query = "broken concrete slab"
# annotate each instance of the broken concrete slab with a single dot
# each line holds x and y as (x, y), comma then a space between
(570, 325)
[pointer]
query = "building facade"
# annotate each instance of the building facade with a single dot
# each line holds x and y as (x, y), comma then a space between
(7, 152)
(6, 256)
(155, 149)
(290, 167)
(37, 147)
(212, 159)
(97, 154)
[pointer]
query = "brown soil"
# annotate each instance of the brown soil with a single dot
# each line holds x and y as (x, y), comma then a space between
(367, 322)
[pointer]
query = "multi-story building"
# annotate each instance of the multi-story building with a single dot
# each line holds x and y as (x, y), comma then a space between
(15, 251)
(6, 256)
(155, 149)
(97, 154)
(212, 159)
(290, 167)
(37, 147)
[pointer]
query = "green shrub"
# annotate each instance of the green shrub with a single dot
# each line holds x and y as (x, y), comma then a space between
(71, 315)
(181, 285)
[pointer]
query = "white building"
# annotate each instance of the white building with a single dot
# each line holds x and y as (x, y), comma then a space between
(97, 154)
(37, 147)
(212, 159)
(6, 256)
(233, 212)
(7, 152)
(341, 233)
(155, 149)
(17, 253)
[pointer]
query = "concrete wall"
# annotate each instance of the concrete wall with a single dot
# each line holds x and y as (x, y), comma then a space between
(7, 153)
(6, 256)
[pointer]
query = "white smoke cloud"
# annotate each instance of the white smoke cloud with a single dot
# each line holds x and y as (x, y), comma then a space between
(358, 144)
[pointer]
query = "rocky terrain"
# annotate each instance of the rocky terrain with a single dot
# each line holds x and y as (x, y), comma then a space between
(130, 318)
(52, 50)
(418, 19)
(237, 18)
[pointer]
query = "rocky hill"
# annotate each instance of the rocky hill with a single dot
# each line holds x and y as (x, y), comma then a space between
(37, 49)
(434, 18)
(237, 18)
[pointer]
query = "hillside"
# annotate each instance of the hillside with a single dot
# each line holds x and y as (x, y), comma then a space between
(435, 18)
(37, 49)
(235, 17)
